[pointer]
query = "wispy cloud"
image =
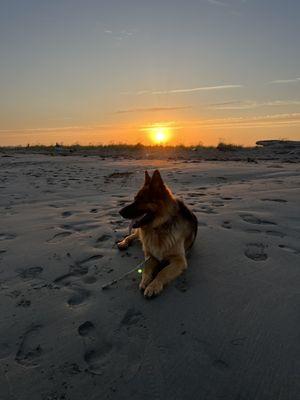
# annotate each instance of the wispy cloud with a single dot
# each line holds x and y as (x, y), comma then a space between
(228, 6)
(119, 34)
(260, 121)
(249, 104)
(218, 3)
(292, 80)
(185, 90)
(57, 129)
(199, 89)
(263, 121)
(151, 109)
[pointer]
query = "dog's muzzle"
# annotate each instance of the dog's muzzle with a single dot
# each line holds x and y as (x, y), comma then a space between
(143, 220)
(138, 217)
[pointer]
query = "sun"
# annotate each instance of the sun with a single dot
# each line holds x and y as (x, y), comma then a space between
(159, 135)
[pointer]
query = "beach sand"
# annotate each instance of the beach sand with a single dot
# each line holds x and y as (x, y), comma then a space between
(227, 329)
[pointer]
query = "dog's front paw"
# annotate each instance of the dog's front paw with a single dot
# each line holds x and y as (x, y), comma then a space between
(146, 279)
(123, 245)
(154, 288)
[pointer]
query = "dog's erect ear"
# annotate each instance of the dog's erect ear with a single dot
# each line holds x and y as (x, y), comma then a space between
(156, 182)
(147, 178)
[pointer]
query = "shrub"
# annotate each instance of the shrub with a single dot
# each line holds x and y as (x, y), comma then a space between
(228, 147)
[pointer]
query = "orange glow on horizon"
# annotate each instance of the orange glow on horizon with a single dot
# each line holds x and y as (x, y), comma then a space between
(159, 134)
(208, 131)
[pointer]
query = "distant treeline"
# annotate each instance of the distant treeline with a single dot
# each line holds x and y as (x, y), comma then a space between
(124, 147)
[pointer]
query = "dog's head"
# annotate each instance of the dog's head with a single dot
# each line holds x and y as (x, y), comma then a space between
(150, 203)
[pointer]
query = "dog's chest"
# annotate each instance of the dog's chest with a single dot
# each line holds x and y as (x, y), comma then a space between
(157, 243)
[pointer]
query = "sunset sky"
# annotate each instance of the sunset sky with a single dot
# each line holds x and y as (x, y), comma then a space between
(95, 71)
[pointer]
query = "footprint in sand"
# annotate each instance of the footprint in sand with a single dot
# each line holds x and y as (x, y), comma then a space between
(66, 214)
(201, 223)
(68, 278)
(207, 210)
(252, 231)
(30, 273)
(194, 194)
(59, 237)
(30, 351)
(275, 233)
(220, 364)
(78, 297)
(226, 225)
(124, 351)
(289, 248)
(275, 200)
(251, 219)
(131, 317)
(103, 238)
(53, 205)
(90, 279)
(217, 203)
(86, 329)
(78, 270)
(24, 303)
(5, 350)
(7, 236)
(98, 356)
(122, 203)
(226, 198)
(181, 284)
(80, 226)
(256, 252)
(98, 359)
(91, 260)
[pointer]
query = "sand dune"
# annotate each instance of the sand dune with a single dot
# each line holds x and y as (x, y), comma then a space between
(227, 329)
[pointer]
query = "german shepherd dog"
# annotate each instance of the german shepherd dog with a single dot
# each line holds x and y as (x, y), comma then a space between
(166, 228)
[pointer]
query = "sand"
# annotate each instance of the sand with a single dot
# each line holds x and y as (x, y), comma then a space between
(227, 329)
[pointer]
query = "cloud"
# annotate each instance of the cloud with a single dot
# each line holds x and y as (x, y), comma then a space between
(120, 35)
(198, 89)
(151, 109)
(228, 6)
(57, 129)
(263, 121)
(249, 104)
(293, 80)
(217, 3)
(185, 90)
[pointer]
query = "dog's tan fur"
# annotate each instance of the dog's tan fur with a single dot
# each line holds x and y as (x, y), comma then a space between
(166, 238)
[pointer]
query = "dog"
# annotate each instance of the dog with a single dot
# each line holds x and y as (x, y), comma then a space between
(166, 228)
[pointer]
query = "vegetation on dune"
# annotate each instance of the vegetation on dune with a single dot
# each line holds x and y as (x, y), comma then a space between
(123, 147)
(264, 150)
(229, 147)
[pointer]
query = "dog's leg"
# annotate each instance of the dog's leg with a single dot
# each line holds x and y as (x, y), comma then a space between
(150, 266)
(124, 244)
(177, 265)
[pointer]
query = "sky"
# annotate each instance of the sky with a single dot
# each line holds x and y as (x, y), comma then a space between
(87, 71)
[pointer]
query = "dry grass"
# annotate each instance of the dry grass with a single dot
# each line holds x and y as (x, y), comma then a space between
(229, 147)
(117, 147)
